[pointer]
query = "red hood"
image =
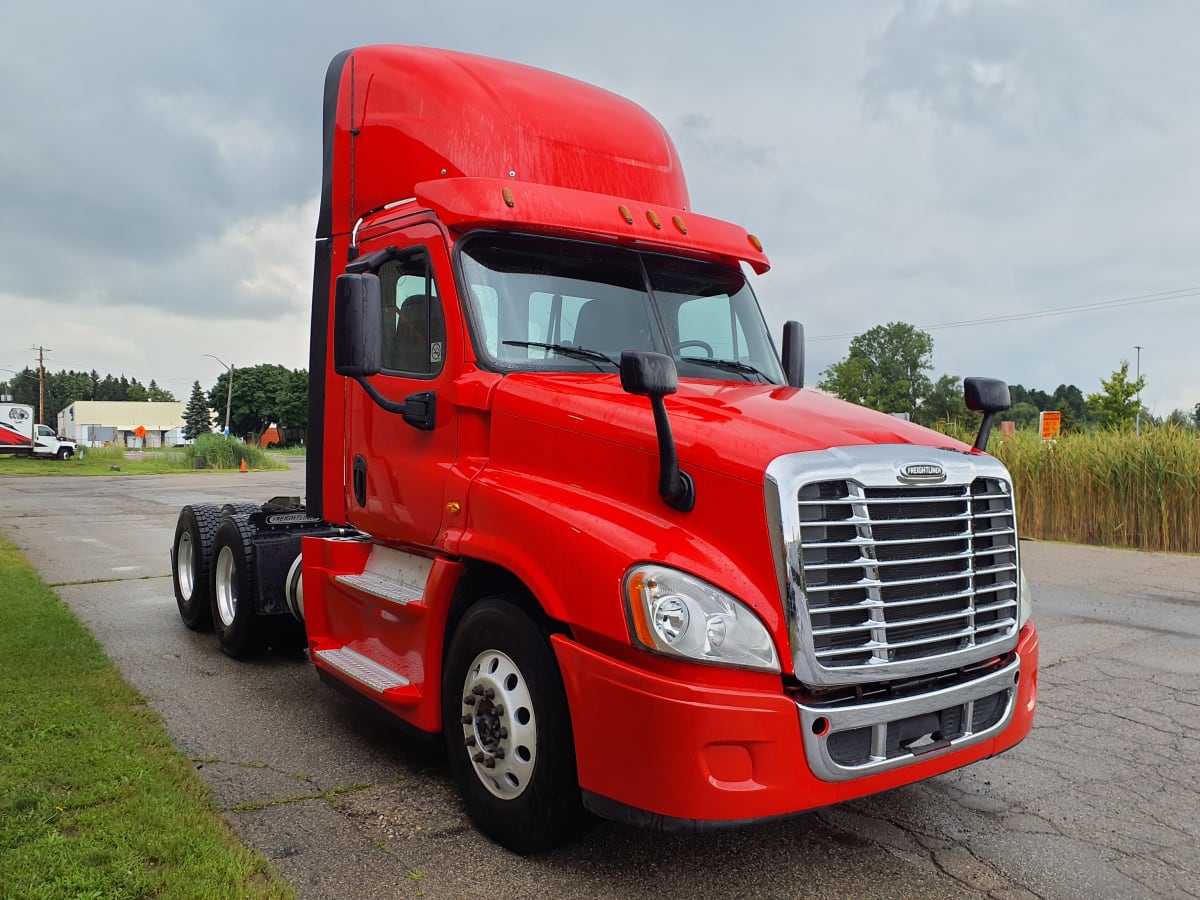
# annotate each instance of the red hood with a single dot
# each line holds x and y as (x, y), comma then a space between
(734, 428)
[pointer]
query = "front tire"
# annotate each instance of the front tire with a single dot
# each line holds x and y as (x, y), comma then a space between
(191, 560)
(241, 631)
(64, 453)
(508, 730)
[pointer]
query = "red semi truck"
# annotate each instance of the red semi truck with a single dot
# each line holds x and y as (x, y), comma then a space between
(569, 508)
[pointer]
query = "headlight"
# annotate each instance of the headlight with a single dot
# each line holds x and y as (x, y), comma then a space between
(1026, 608)
(678, 615)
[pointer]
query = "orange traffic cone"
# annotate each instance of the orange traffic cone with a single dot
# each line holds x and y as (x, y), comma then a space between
(243, 464)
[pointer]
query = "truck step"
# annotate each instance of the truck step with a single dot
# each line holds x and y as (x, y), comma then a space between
(382, 587)
(365, 670)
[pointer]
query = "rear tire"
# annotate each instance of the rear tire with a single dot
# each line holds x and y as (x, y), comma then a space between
(242, 632)
(238, 507)
(191, 560)
(514, 757)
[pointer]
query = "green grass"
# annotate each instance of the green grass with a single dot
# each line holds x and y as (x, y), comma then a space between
(217, 452)
(94, 799)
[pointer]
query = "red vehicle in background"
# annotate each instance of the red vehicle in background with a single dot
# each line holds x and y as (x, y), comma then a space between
(568, 506)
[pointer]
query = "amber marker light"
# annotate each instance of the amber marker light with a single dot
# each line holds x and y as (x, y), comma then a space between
(754, 242)
(678, 220)
(625, 213)
(508, 198)
(637, 586)
(454, 507)
(653, 217)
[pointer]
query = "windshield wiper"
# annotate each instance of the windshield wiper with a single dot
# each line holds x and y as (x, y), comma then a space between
(593, 356)
(728, 365)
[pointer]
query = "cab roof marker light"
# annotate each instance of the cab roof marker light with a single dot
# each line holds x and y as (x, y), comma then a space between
(653, 217)
(678, 220)
(509, 200)
(755, 242)
(625, 214)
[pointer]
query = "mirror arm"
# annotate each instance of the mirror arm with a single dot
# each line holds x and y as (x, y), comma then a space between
(675, 487)
(390, 405)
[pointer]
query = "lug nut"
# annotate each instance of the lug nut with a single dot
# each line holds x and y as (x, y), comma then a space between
(466, 720)
(478, 757)
(469, 700)
(470, 741)
(477, 690)
(498, 710)
(489, 763)
(503, 732)
(499, 754)
(490, 693)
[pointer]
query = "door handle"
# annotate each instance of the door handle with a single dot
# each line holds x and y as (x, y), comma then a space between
(420, 410)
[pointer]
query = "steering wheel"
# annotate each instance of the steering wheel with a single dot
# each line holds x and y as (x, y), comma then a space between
(703, 345)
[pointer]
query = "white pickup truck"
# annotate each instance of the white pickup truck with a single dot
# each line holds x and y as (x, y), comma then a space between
(19, 436)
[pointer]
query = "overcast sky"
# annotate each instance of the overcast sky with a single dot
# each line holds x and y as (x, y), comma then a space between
(926, 162)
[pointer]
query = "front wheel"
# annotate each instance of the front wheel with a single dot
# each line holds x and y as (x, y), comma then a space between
(508, 730)
(242, 632)
(64, 453)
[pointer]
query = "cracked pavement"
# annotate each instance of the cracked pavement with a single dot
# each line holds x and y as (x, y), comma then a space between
(1102, 800)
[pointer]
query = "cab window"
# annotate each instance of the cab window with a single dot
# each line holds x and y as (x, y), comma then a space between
(414, 328)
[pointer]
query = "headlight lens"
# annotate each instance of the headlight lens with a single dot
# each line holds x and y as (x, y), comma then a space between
(679, 615)
(1026, 609)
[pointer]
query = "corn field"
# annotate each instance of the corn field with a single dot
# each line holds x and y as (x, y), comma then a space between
(1107, 488)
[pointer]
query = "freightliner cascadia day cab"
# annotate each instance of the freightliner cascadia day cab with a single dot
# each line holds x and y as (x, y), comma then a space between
(569, 508)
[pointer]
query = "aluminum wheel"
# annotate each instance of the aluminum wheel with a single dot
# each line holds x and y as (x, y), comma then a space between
(498, 724)
(225, 587)
(185, 565)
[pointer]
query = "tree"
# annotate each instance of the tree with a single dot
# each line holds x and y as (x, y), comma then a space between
(945, 403)
(1116, 406)
(262, 395)
(197, 417)
(1196, 415)
(884, 370)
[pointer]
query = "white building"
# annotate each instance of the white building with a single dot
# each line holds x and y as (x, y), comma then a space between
(98, 423)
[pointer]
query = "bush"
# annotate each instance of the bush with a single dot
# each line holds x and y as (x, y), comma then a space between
(220, 452)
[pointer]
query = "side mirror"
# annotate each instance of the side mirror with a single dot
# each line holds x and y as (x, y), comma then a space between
(988, 396)
(793, 354)
(648, 374)
(357, 325)
(653, 375)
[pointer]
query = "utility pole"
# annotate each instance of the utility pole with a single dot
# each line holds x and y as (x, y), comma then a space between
(229, 393)
(42, 383)
(1137, 422)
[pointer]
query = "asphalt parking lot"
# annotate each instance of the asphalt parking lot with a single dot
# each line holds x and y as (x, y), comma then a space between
(1102, 800)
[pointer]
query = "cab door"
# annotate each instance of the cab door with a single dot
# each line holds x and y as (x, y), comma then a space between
(396, 465)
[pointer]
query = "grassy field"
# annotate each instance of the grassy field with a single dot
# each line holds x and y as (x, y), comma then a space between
(1107, 488)
(214, 451)
(95, 802)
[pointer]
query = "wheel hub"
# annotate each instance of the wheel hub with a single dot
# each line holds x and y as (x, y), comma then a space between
(498, 725)
(184, 565)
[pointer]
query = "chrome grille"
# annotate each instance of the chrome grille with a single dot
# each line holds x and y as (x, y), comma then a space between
(903, 573)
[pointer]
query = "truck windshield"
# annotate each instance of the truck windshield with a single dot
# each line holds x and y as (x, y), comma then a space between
(548, 304)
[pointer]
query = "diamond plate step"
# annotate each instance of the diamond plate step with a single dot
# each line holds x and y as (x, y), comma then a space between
(382, 587)
(362, 669)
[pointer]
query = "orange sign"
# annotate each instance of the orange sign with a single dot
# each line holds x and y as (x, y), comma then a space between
(140, 431)
(1050, 423)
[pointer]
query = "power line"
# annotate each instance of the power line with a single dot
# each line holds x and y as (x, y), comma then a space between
(1139, 299)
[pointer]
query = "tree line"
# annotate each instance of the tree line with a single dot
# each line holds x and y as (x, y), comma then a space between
(64, 387)
(888, 369)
